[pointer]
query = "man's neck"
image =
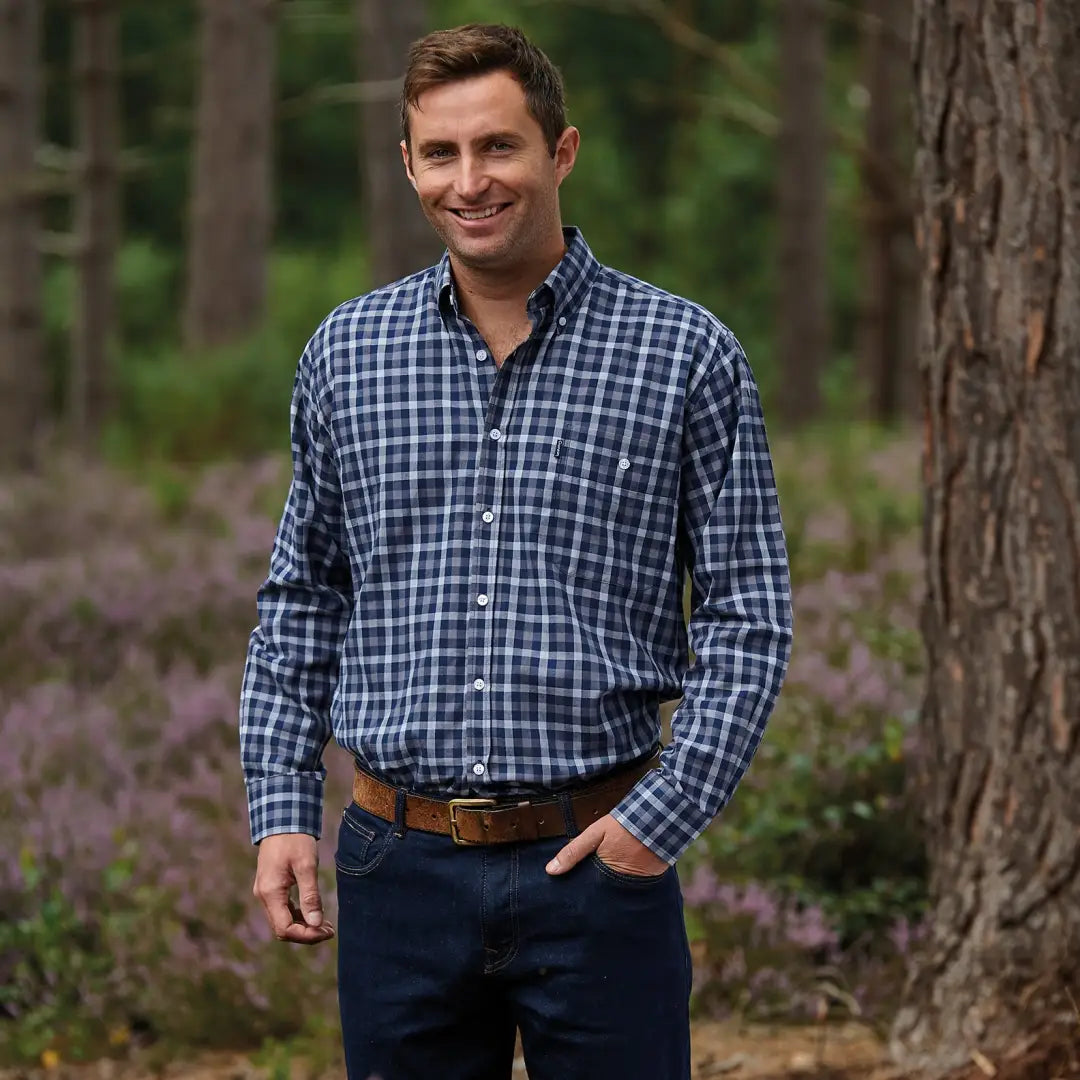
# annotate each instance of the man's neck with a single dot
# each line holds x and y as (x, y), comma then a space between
(501, 294)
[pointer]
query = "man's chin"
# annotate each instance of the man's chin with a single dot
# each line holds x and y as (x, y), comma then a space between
(480, 255)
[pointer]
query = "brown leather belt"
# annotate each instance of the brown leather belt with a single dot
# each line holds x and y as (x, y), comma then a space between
(489, 821)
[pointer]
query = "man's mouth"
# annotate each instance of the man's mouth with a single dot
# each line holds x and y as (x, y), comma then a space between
(479, 214)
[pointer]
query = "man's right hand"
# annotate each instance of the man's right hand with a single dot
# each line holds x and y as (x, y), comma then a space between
(285, 860)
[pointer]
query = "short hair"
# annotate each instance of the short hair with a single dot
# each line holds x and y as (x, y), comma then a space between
(466, 52)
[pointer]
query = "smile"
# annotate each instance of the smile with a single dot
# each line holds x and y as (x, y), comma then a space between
(479, 215)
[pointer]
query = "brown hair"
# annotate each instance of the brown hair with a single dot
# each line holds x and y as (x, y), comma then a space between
(478, 49)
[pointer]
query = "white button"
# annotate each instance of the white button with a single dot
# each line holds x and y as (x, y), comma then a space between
(479, 684)
(488, 515)
(562, 320)
(481, 354)
(495, 433)
(624, 463)
(482, 599)
(478, 769)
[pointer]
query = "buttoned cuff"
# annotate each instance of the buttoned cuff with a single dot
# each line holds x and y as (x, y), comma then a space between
(285, 803)
(657, 812)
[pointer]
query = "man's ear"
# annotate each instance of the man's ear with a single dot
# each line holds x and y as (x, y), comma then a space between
(566, 153)
(408, 163)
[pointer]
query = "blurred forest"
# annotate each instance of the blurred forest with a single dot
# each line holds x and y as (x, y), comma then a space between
(187, 188)
(193, 187)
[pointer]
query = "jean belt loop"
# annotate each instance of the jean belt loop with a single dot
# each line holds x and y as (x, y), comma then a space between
(568, 814)
(399, 813)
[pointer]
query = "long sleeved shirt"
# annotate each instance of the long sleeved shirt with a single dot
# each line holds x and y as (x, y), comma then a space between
(476, 584)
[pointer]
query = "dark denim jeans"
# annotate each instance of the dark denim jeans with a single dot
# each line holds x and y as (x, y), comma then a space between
(444, 951)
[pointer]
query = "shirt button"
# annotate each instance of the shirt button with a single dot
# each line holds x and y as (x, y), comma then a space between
(482, 599)
(478, 768)
(489, 516)
(481, 354)
(479, 684)
(562, 320)
(624, 463)
(495, 433)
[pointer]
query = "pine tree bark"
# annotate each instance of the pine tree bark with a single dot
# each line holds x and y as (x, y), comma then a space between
(97, 213)
(998, 179)
(231, 190)
(399, 237)
(802, 210)
(22, 379)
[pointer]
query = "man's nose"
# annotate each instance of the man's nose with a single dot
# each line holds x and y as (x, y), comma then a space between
(472, 179)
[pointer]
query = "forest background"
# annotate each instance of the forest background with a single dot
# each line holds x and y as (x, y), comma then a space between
(209, 181)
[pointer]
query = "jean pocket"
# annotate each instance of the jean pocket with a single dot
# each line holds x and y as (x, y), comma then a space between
(363, 841)
(633, 880)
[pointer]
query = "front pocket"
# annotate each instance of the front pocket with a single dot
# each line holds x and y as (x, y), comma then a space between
(360, 848)
(611, 509)
(633, 880)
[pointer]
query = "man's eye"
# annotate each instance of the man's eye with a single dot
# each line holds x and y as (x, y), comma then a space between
(501, 146)
(440, 152)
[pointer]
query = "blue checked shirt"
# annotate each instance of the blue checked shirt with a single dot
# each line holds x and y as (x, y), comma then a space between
(476, 585)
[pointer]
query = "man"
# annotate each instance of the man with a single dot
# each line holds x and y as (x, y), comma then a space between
(503, 467)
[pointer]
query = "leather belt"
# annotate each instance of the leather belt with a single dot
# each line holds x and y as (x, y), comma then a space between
(490, 821)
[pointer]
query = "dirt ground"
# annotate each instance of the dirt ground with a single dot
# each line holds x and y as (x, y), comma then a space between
(731, 1050)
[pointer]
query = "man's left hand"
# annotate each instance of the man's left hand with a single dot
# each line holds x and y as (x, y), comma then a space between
(614, 847)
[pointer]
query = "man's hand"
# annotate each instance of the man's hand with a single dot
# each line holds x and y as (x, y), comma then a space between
(614, 846)
(285, 860)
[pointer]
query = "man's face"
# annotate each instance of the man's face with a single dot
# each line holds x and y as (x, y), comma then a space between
(483, 172)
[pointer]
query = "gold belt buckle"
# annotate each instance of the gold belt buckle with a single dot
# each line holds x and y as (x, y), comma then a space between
(468, 804)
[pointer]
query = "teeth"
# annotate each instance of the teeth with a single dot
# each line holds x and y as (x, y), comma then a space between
(476, 215)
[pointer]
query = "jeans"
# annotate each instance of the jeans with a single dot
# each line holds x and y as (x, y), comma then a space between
(445, 951)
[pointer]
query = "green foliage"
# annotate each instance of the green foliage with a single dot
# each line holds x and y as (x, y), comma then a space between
(848, 496)
(831, 826)
(317, 158)
(148, 282)
(819, 860)
(232, 401)
(60, 961)
(317, 1045)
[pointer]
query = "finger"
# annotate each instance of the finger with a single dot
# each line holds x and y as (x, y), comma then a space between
(301, 934)
(307, 886)
(581, 845)
(276, 904)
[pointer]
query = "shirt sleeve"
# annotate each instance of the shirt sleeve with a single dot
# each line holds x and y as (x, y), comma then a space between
(740, 624)
(293, 655)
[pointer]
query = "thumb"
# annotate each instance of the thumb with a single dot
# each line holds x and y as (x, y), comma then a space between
(307, 887)
(581, 845)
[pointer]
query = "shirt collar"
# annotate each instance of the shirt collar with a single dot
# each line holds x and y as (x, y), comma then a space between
(562, 290)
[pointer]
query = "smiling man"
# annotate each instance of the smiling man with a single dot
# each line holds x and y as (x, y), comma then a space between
(503, 469)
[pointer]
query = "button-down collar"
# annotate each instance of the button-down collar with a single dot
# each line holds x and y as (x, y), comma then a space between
(561, 292)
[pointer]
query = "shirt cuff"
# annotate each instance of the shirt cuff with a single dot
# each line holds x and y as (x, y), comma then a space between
(657, 812)
(285, 803)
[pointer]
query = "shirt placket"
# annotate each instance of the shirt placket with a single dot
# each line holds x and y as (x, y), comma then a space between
(484, 586)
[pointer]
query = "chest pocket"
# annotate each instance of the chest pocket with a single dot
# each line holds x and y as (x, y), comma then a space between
(611, 509)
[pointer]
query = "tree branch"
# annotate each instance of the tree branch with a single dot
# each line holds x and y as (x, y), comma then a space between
(355, 93)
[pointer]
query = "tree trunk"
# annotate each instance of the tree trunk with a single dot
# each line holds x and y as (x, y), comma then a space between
(886, 345)
(400, 239)
(997, 116)
(803, 321)
(22, 378)
(231, 192)
(97, 213)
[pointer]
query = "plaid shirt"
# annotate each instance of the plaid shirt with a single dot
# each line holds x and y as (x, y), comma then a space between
(476, 585)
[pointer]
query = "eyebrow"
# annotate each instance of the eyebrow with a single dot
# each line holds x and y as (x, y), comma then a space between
(428, 145)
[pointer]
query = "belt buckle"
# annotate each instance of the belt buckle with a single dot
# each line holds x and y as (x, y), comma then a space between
(455, 805)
